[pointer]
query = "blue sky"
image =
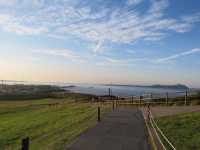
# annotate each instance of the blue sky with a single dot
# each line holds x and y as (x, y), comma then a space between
(101, 41)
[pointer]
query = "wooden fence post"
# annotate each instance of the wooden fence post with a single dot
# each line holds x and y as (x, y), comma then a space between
(25, 143)
(167, 98)
(186, 94)
(99, 114)
(148, 112)
(113, 105)
(140, 99)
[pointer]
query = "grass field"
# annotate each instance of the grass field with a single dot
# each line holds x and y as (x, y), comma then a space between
(49, 126)
(182, 130)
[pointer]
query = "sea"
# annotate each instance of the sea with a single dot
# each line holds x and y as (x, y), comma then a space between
(126, 91)
(121, 91)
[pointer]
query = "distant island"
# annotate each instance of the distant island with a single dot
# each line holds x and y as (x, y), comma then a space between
(176, 86)
(69, 86)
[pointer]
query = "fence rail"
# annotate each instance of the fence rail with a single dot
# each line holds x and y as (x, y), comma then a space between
(185, 98)
(154, 129)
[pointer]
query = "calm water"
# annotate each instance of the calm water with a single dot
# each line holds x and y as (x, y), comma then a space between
(124, 91)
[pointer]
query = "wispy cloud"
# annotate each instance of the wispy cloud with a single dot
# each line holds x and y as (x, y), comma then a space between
(176, 56)
(130, 61)
(114, 61)
(7, 2)
(158, 6)
(98, 46)
(132, 52)
(133, 2)
(109, 61)
(126, 26)
(65, 53)
(66, 18)
(11, 24)
(122, 61)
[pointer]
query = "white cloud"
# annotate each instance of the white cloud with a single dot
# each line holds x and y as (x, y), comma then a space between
(176, 56)
(4, 18)
(114, 61)
(158, 6)
(133, 2)
(192, 18)
(38, 2)
(122, 62)
(7, 2)
(66, 53)
(132, 52)
(125, 26)
(130, 61)
(98, 46)
(20, 29)
(11, 24)
(64, 18)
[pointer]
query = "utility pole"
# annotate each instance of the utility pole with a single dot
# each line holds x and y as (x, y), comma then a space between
(2, 84)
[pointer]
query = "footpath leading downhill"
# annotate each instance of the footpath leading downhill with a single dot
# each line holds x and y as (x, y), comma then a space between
(122, 129)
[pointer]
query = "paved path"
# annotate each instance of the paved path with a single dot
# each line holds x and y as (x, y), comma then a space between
(123, 129)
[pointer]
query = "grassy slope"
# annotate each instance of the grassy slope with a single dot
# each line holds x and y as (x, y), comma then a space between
(48, 127)
(182, 130)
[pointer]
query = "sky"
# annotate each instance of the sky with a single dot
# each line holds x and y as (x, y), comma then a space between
(101, 41)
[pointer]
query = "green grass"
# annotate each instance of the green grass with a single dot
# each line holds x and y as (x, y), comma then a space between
(49, 127)
(182, 130)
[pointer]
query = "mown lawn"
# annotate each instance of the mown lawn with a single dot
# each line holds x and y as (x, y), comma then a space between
(48, 126)
(182, 130)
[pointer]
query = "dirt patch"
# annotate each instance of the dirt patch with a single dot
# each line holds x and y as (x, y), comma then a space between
(159, 111)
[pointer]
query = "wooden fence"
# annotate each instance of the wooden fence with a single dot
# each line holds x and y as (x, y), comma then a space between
(184, 98)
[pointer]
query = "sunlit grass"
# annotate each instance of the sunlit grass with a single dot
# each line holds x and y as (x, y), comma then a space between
(49, 127)
(182, 130)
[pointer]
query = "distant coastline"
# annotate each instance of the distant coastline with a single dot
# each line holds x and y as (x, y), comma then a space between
(176, 86)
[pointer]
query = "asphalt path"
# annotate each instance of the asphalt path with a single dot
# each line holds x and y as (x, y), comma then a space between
(122, 129)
